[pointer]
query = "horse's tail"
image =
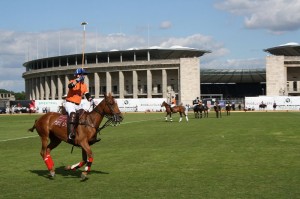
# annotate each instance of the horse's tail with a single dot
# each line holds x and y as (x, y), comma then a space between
(33, 127)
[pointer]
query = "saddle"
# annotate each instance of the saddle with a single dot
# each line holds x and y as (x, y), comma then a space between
(63, 119)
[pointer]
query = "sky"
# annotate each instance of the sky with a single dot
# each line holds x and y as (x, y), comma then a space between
(235, 31)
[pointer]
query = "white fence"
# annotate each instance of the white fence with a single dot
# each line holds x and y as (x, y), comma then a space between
(125, 105)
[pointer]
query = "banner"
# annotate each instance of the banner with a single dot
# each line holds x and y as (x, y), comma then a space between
(282, 102)
(125, 105)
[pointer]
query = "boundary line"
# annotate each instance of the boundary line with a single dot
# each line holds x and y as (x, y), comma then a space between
(38, 135)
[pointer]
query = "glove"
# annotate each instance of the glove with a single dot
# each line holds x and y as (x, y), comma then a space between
(92, 103)
(80, 79)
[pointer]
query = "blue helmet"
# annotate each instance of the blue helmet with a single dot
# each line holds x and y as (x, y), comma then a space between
(80, 71)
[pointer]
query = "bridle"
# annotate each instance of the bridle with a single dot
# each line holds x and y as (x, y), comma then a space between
(112, 117)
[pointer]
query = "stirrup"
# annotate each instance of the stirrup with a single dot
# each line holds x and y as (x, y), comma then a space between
(71, 136)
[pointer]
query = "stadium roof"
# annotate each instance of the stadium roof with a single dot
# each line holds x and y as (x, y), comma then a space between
(233, 75)
(289, 49)
(155, 53)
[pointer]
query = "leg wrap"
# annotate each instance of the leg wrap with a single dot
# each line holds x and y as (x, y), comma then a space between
(49, 162)
(89, 164)
(78, 165)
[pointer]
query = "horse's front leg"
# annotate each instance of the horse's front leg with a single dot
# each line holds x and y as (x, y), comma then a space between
(89, 159)
(80, 164)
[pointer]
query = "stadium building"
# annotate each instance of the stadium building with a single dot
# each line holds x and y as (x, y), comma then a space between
(283, 70)
(144, 73)
(162, 73)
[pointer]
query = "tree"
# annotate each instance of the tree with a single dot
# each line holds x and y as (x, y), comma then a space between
(20, 96)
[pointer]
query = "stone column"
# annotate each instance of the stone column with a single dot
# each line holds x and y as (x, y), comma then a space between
(189, 80)
(66, 85)
(29, 89)
(276, 75)
(97, 85)
(149, 84)
(53, 87)
(164, 83)
(59, 87)
(121, 84)
(37, 91)
(87, 81)
(134, 84)
(47, 87)
(108, 82)
(42, 89)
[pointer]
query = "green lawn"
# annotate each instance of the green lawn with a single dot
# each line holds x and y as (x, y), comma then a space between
(245, 155)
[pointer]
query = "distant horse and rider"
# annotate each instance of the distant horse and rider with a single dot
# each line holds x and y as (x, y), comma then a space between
(262, 106)
(218, 109)
(228, 108)
(53, 126)
(175, 109)
(200, 111)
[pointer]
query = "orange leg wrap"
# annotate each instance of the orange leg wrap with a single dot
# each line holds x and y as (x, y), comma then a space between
(89, 164)
(49, 162)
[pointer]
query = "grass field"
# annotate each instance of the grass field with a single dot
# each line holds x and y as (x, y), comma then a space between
(245, 155)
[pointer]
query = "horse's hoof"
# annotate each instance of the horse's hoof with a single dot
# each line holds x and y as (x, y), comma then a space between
(83, 176)
(52, 174)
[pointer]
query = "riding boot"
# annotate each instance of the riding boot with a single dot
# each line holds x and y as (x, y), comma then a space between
(72, 124)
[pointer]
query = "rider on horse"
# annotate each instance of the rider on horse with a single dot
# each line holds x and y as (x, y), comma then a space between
(77, 88)
(173, 103)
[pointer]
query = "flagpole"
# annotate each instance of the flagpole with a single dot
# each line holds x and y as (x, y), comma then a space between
(83, 45)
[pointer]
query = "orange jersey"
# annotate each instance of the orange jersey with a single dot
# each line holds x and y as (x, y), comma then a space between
(173, 101)
(75, 94)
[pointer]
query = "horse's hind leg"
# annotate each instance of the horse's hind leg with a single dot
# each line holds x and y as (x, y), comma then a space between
(186, 117)
(54, 142)
(45, 153)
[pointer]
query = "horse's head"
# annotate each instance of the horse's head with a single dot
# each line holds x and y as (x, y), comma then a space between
(109, 108)
(163, 104)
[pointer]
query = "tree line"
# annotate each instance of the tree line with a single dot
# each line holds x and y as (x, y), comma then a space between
(18, 95)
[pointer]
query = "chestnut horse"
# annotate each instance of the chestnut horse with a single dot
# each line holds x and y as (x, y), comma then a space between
(175, 109)
(53, 126)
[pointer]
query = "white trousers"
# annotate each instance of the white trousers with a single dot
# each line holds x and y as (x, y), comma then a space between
(71, 107)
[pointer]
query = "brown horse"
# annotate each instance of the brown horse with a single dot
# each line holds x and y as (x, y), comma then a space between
(176, 109)
(53, 126)
(218, 110)
(199, 110)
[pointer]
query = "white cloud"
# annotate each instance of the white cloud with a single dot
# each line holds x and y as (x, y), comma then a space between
(276, 16)
(165, 25)
(19, 47)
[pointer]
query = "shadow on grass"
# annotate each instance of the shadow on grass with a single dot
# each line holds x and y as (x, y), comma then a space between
(67, 174)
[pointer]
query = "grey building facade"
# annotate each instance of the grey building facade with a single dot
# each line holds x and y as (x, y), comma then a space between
(144, 73)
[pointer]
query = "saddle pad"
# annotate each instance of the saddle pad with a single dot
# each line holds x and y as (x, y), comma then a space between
(61, 121)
